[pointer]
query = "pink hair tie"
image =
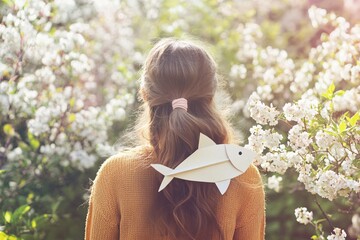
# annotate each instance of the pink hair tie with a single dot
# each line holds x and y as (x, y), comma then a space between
(180, 103)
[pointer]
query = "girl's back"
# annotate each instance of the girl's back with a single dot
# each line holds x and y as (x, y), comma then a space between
(177, 86)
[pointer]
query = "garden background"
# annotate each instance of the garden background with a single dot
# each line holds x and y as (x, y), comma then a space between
(68, 91)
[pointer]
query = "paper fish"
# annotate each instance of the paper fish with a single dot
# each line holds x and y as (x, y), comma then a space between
(211, 162)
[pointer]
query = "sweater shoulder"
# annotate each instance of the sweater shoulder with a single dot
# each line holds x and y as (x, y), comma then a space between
(249, 182)
(124, 161)
(250, 192)
(251, 175)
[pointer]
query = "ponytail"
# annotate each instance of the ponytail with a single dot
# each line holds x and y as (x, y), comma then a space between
(186, 206)
(173, 69)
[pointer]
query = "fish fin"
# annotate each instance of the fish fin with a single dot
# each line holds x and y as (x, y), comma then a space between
(205, 141)
(165, 182)
(164, 171)
(223, 186)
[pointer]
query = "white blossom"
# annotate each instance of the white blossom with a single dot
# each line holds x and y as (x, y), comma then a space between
(303, 77)
(303, 215)
(115, 109)
(238, 71)
(261, 139)
(324, 140)
(81, 158)
(274, 183)
(349, 101)
(275, 162)
(329, 184)
(304, 109)
(11, 41)
(4, 98)
(298, 138)
(44, 115)
(15, 154)
(354, 229)
(338, 234)
(261, 113)
(317, 16)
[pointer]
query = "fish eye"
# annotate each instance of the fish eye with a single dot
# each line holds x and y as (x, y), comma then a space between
(240, 153)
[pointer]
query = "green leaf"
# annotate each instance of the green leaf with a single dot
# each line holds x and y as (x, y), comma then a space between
(4, 236)
(314, 237)
(342, 126)
(329, 94)
(22, 183)
(2, 171)
(9, 130)
(39, 220)
(7, 216)
(71, 117)
(72, 102)
(340, 93)
(250, 13)
(8, 2)
(327, 168)
(19, 212)
(24, 146)
(320, 227)
(330, 132)
(12, 238)
(353, 120)
(33, 223)
(322, 219)
(331, 88)
(33, 141)
(270, 29)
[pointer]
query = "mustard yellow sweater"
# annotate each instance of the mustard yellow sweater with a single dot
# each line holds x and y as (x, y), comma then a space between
(124, 191)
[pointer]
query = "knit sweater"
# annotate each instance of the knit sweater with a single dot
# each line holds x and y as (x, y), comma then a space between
(124, 191)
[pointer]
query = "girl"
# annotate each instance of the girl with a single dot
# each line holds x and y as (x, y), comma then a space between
(177, 86)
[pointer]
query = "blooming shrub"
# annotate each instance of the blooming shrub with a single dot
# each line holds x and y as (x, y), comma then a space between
(317, 133)
(68, 73)
(54, 120)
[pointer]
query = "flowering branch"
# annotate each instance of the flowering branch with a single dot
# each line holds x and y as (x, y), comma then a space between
(323, 212)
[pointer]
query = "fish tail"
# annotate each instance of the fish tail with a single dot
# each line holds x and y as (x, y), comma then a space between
(164, 171)
(165, 182)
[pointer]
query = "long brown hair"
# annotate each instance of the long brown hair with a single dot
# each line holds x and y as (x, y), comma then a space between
(182, 69)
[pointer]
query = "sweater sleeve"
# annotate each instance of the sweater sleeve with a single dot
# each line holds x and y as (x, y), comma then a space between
(251, 223)
(102, 221)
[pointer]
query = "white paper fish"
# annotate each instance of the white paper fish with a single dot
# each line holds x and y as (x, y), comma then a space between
(210, 163)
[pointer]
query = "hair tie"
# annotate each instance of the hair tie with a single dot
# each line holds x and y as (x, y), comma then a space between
(180, 103)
